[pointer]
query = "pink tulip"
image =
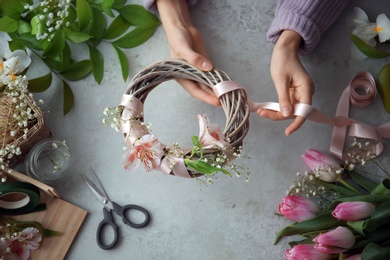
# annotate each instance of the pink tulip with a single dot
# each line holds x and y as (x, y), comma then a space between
(325, 167)
(336, 241)
(298, 208)
(353, 211)
(354, 257)
(305, 252)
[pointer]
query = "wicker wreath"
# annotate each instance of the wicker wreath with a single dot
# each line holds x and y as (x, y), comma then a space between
(173, 160)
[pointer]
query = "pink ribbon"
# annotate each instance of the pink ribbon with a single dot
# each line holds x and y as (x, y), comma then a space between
(133, 128)
(360, 92)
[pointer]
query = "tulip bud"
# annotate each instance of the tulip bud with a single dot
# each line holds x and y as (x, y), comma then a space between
(325, 167)
(335, 241)
(353, 211)
(305, 251)
(297, 208)
(354, 257)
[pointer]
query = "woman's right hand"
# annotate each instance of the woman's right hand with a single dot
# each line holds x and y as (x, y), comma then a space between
(292, 83)
(186, 43)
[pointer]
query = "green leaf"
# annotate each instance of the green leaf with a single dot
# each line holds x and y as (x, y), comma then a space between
(12, 8)
(106, 6)
(138, 15)
(203, 167)
(123, 62)
(97, 63)
(35, 23)
(68, 97)
(66, 57)
(40, 84)
(118, 4)
(56, 45)
(321, 222)
(357, 226)
(384, 86)
(76, 37)
(16, 45)
(367, 49)
(197, 146)
(27, 39)
(135, 37)
(24, 27)
(116, 28)
(98, 26)
(53, 63)
(77, 70)
(374, 251)
(379, 218)
(383, 188)
(84, 13)
(8, 24)
(51, 233)
(363, 182)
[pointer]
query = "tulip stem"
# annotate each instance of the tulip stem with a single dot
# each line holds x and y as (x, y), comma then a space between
(346, 184)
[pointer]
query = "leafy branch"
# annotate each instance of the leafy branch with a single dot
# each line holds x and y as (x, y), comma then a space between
(50, 28)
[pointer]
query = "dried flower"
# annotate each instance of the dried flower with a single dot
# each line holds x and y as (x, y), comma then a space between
(16, 115)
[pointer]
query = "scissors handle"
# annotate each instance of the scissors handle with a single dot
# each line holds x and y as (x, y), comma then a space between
(124, 210)
(105, 223)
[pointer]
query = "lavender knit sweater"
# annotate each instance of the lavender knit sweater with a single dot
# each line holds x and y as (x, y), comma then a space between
(309, 18)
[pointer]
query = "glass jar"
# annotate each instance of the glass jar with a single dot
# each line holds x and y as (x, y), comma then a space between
(49, 161)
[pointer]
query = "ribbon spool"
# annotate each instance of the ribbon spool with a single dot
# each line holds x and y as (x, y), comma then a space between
(26, 196)
(232, 97)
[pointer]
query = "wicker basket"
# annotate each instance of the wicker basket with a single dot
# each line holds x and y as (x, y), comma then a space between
(234, 102)
(37, 130)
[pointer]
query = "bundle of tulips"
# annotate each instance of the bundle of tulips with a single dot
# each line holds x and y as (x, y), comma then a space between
(339, 212)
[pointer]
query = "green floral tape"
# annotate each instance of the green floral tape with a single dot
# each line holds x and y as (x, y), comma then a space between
(28, 202)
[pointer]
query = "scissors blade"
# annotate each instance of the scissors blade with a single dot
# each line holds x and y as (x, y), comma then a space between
(99, 193)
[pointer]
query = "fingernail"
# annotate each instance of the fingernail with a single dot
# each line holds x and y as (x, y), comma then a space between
(205, 65)
(285, 111)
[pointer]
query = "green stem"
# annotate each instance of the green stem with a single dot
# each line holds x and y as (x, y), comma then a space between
(346, 184)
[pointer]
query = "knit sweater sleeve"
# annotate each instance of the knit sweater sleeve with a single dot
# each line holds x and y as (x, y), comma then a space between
(309, 18)
(151, 4)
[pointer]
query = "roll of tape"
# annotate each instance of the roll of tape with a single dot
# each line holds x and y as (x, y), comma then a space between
(28, 200)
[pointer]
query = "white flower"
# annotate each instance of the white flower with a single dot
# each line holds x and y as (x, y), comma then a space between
(17, 62)
(367, 31)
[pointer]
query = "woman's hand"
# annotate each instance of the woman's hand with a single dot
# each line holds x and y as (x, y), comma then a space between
(186, 43)
(292, 83)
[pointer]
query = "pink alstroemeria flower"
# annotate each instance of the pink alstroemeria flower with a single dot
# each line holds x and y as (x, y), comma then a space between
(21, 245)
(353, 211)
(325, 167)
(305, 252)
(335, 241)
(146, 150)
(210, 135)
(297, 208)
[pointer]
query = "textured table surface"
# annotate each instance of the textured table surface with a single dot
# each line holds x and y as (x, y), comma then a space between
(232, 218)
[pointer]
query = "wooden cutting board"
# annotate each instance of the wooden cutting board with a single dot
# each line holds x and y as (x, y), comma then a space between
(59, 215)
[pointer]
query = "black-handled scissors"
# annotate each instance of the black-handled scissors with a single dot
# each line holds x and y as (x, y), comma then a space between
(108, 220)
